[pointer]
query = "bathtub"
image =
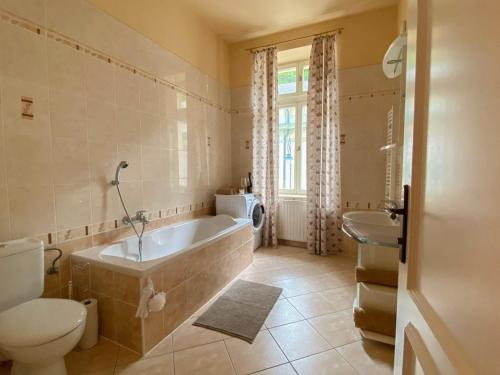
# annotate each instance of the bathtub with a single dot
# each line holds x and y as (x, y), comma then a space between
(162, 244)
(190, 261)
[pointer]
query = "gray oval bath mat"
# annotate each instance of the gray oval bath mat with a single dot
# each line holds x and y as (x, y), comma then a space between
(241, 310)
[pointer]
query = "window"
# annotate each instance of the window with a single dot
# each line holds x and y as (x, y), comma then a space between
(292, 124)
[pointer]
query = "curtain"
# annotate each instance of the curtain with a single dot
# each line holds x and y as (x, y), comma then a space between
(265, 141)
(324, 234)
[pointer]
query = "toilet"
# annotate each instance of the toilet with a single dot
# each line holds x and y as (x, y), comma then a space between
(35, 333)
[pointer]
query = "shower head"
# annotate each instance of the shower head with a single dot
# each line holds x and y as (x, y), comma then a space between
(123, 164)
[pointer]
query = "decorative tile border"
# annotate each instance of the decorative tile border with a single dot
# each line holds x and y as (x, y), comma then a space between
(342, 98)
(90, 51)
(156, 218)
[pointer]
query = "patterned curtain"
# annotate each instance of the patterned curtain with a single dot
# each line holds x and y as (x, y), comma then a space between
(265, 138)
(323, 154)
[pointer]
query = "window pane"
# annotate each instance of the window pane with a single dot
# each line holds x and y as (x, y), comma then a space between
(305, 77)
(287, 81)
(303, 155)
(286, 168)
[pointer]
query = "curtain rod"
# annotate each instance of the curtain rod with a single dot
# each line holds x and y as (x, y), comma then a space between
(333, 31)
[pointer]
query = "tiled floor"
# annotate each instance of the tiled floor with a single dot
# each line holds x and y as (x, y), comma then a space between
(309, 331)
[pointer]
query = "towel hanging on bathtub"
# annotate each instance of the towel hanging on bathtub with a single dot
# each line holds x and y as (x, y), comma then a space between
(150, 301)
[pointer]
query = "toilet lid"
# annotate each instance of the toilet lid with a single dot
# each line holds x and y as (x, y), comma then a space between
(40, 321)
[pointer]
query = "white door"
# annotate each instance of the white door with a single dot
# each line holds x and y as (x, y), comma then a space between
(449, 289)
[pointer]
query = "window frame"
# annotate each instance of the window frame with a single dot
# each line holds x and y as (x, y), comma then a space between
(297, 100)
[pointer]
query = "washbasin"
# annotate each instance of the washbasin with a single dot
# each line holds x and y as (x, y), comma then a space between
(372, 227)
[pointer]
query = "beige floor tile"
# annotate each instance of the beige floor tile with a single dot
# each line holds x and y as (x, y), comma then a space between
(282, 313)
(285, 369)
(295, 287)
(326, 363)
(337, 328)
(369, 357)
(343, 296)
(99, 359)
(210, 359)
(261, 354)
(313, 304)
(161, 365)
(332, 280)
(164, 347)
(298, 340)
(187, 336)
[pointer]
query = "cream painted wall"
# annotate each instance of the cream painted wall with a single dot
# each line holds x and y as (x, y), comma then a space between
(173, 26)
(363, 42)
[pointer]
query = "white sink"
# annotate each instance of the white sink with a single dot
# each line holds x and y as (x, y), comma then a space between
(372, 227)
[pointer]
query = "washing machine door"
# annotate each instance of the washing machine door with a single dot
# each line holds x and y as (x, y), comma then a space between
(257, 215)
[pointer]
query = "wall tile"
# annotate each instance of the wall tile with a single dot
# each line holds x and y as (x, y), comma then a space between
(101, 123)
(70, 161)
(150, 129)
(128, 327)
(176, 311)
(152, 167)
(106, 315)
(24, 54)
(126, 288)
(128, 126)
(149, 96)
(101, 280)
(154, 195)
(72, 205)
(127, 90)
(68, 114)
(65, 67)
(28, 160)
(31, 210)
(99, 80)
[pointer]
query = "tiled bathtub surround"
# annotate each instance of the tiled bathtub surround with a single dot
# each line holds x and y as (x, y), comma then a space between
(101, 93)
(189, 279)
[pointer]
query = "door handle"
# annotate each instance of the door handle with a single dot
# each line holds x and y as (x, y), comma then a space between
(403, 212)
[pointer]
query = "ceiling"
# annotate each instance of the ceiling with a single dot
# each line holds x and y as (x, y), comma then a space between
(236, 20)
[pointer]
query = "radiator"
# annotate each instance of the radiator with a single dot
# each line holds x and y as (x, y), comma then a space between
(292, 220)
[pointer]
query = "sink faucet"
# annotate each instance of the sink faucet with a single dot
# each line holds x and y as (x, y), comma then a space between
(138, 218)
(391, 207)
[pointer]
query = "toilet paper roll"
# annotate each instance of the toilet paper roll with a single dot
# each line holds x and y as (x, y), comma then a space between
(90, 335)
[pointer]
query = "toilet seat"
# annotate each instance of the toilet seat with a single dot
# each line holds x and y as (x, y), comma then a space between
(39, 321)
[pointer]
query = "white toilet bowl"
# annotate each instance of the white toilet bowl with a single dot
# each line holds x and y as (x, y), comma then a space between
(37, 335)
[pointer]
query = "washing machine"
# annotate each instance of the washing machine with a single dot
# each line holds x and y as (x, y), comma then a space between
(243, 206)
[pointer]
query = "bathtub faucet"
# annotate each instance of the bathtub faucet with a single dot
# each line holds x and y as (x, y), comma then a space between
(138, 218)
